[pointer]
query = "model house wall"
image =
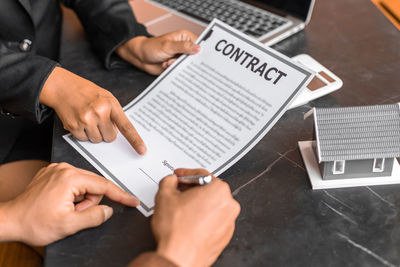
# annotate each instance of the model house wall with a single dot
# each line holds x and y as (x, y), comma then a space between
(356, 169)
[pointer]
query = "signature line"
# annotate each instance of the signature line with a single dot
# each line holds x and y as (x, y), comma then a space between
(148, 176)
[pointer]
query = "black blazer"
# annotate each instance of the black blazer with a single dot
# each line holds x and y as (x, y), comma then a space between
(29, 50)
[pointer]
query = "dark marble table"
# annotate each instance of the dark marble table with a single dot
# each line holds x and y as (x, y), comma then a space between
(283, 221)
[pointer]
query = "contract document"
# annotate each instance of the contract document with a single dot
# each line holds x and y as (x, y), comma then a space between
(205, 111)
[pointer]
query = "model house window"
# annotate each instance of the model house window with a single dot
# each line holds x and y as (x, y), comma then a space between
(338, 166)
(379, 165)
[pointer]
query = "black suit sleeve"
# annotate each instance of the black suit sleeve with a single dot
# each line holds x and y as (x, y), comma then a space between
(108, 24)
(22, 76)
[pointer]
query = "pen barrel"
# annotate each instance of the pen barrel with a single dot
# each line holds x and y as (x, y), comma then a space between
(196, 179)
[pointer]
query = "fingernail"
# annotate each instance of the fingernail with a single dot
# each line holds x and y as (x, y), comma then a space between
(195, 48)
(141, 150)
(135, 201)
(108, 212)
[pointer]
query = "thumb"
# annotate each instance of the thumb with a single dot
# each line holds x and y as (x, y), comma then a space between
(92, 217)
(183, 47)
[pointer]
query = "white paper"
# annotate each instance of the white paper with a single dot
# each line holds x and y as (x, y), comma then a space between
(205, 111)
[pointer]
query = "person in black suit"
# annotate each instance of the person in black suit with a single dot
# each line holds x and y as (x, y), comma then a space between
(33, 83)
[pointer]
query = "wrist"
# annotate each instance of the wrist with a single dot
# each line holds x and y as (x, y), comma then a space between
(59, 85)
(53, 87)
(177, 252)
(9, 229)
(132, 49)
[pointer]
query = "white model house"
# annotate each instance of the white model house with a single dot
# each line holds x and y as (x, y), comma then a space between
(355, 142)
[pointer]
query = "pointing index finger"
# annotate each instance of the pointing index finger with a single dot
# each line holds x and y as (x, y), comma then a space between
(126, 128)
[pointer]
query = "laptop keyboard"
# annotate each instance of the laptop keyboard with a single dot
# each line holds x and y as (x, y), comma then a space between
(248, 19)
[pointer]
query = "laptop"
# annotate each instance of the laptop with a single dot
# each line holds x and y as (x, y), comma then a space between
(269, 21)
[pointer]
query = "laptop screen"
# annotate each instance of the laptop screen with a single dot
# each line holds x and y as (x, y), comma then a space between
(296, 8)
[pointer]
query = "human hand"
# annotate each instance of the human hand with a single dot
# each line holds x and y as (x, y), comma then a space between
(155, 54)
(193, 227)
(88, 111)
(45, 212)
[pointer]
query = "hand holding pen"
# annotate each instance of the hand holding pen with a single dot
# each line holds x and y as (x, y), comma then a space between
(196, 179)
(188, 181)
(193, 226)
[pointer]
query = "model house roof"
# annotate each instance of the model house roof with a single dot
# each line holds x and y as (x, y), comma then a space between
(356, 133)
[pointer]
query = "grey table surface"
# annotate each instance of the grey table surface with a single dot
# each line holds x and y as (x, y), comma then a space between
(283, 222)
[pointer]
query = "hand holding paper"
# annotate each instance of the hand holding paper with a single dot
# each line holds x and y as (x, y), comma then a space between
(47, 211)
(155, 54)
